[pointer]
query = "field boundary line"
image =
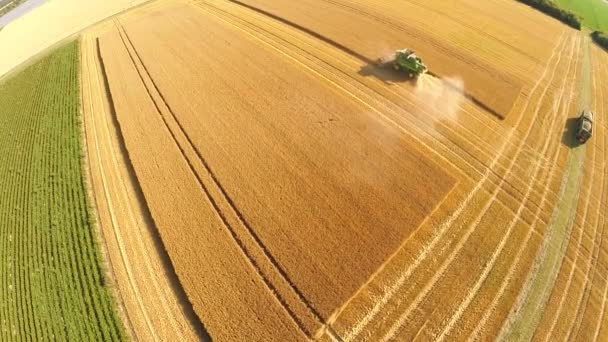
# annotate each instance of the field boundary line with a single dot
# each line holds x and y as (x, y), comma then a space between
(169, 292)
(116, 235)
(130, 210)
(92, 190)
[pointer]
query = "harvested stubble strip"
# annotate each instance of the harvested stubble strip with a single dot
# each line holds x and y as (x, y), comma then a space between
(504, 269)
(470, 319)
(574, 281)
(602, 199)
(591, 312)
(442, 300)
(224, 289)
(577, 266)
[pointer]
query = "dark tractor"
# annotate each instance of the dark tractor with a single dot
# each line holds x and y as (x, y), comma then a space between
(584, 129)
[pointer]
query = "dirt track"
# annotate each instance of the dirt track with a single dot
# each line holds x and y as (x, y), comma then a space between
(288, 163)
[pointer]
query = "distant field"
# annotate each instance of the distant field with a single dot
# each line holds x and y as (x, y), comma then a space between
(17, 9)
(51, 279)
(593, 12)
(7, 6)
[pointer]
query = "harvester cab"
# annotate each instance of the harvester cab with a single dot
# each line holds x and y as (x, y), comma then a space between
(584, 129)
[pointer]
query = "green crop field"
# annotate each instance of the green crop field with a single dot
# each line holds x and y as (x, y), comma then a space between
(51, 276)
(593, 12)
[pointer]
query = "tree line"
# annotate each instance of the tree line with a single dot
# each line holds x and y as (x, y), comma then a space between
(601, 38)
(550, 8)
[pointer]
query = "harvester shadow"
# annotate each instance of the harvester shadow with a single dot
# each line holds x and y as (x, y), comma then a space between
(386, 74)
(159, 245)
(568, 138)
(389, 76)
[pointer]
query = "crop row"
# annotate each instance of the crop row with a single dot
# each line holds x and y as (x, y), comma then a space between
(50, 268)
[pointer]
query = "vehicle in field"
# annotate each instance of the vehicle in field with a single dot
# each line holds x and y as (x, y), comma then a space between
(405, 60)
(584, 129)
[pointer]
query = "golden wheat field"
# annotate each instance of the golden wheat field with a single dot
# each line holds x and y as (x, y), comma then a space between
(257, 176)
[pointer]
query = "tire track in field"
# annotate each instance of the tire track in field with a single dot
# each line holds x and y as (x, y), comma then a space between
(601, 90)
(114, 220)
(576, 322)
(231, 217)
(435, 135)
(589, 284)
(602, 311)
(538, 168)
(172, 313)
(580, 238)
(455, 251)
(514, 264)
(531, 302)
(163, 291)
(85, 89)
(396, 285)
(394, 21)
(350, 51)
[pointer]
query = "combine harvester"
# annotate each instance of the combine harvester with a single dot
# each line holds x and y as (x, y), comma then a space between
(405, 60)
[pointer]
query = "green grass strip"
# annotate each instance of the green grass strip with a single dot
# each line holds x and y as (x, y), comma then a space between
(51, 274)
(549, 260)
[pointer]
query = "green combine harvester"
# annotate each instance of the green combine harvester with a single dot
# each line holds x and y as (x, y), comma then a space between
(405, 60)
